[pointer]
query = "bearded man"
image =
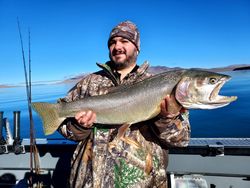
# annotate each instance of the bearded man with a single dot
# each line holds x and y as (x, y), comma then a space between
(94, 164)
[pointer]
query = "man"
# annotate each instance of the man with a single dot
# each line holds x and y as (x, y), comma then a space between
(141, 159)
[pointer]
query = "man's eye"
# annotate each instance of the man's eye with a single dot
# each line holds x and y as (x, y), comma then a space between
(125, 41)
(111, 42)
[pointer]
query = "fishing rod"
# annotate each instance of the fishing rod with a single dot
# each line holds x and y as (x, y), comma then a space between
(32, 132)
(33, 148)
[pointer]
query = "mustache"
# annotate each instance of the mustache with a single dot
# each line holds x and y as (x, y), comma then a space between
(117, 52)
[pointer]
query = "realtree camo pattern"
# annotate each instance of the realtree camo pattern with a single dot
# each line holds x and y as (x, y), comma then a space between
(94, 164)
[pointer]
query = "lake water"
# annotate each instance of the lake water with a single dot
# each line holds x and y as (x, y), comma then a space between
(230, 121)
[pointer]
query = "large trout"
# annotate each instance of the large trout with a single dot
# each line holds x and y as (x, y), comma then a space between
(193, 89)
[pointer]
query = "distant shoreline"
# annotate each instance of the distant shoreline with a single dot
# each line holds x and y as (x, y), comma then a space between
(153, 69)
(242, 68)
(7, 86)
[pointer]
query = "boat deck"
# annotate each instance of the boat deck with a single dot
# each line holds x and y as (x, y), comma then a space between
(220, 162)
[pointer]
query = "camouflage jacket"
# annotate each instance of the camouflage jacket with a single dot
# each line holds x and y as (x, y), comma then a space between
(141, 161)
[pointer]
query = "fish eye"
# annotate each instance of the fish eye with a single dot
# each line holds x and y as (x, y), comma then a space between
(212, 80)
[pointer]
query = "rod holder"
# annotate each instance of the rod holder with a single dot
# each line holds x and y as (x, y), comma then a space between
(1, 124)
(3, 146)
(16, 125)
(17, 147)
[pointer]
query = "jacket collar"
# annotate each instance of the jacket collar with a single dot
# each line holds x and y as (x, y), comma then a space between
(114, 76)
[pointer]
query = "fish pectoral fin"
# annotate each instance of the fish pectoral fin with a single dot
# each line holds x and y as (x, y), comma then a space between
(120, 136)
(122, 130)
(131, 142)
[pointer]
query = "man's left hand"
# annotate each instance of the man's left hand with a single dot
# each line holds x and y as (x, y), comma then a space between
(170, 108)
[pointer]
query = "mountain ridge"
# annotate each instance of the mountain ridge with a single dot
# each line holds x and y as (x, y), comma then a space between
(159, 69)
(152, 69)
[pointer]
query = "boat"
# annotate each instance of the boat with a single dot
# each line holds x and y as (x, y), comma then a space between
(204, 163)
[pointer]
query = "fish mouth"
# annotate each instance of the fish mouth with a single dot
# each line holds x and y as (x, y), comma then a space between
(220, 100)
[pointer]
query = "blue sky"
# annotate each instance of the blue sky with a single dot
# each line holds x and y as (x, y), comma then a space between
(69, 36)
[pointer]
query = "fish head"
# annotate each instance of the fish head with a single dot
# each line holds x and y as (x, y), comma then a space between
(200, 89)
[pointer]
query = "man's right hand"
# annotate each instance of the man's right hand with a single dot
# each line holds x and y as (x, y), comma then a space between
(86, 118)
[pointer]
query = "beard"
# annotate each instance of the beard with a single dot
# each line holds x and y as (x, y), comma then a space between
(126, 63)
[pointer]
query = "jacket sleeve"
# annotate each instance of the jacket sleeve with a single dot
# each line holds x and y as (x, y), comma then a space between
(70, 129)
(173, 132)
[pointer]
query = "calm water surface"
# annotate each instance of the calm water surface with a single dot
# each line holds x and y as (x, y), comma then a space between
(15, 99)
(230, 121)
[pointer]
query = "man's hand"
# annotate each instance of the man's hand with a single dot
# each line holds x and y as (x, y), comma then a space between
(86, 118)
(170, 108)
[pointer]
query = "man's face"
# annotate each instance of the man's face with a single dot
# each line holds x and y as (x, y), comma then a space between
(122, 52)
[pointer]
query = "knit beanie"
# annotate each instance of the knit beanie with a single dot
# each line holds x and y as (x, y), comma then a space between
(126, 30)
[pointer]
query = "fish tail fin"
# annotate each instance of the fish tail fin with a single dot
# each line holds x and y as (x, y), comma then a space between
(49, 114)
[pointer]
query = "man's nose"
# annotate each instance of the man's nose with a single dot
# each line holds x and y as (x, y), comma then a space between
(118, 45)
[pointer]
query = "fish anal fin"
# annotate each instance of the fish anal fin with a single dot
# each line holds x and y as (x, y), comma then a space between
(148, 164)
(87, 155)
